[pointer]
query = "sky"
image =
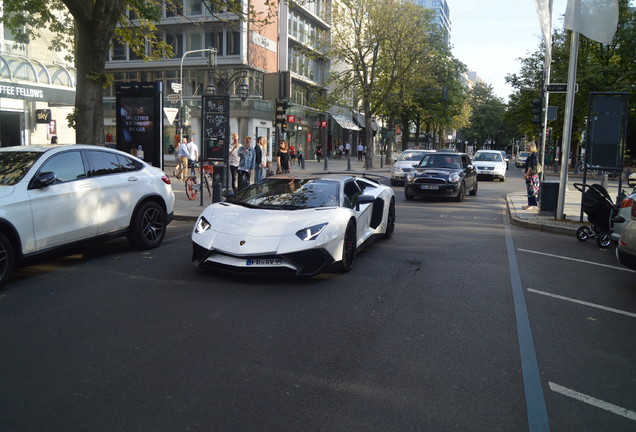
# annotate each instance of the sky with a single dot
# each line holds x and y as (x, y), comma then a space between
(489, 36)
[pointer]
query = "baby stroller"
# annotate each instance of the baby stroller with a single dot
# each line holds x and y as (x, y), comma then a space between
(600, 210)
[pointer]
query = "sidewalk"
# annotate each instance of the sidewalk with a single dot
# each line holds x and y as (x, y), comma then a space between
(534, 219)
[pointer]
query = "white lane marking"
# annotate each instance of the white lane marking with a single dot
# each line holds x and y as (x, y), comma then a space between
(578, 260)
(593, 401)
(584, 303)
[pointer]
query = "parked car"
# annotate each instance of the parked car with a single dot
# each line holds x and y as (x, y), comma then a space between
(521, 159)
(442, 174)
(490, 164)
(58, 195)
(404, 164)
(294, 225)
(626, 250)
(624, 210)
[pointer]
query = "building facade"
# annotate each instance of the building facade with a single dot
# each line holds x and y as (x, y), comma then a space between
(37, 92)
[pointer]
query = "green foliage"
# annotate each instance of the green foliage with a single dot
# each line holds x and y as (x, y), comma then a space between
(601, 68)
(486, 119)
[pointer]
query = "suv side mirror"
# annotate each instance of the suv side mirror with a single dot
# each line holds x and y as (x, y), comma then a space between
(43, 179)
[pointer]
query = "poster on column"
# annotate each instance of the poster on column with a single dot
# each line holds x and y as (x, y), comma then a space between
(139, 121)
(216, 128)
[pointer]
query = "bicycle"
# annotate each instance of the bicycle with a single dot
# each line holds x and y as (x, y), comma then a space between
(192, 186)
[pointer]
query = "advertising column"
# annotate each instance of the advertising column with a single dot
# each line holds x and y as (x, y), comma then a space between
(139, 121)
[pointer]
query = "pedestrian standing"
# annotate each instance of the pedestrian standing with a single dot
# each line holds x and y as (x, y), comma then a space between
(531, 176)
(347, 150)
(247, 156)
(193, 151)
(360, 151)
(282, 158)
(183, 154)
(292, 155)
(234, 160)
(318, 152)
(260, 160)
(300, 156)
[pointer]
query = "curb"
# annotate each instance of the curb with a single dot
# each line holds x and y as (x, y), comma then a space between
(563, 228)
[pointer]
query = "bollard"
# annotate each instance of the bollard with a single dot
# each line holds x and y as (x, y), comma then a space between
(302, 163)
(348, 164)
(326, 166)
(217, 188)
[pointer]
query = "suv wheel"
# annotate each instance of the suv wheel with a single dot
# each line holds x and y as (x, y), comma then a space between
(148, 227)
(7, 259)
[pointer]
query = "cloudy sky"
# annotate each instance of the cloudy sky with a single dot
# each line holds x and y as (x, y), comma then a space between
(490, 35)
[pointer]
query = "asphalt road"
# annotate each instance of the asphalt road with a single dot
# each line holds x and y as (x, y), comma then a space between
(460, 322)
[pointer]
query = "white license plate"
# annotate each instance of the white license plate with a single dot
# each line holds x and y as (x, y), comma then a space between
(430, 187)
(264, 261)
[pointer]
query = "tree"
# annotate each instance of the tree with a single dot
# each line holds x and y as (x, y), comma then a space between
(86, 28)
(375, 44)
(601, 68)
(487, 111)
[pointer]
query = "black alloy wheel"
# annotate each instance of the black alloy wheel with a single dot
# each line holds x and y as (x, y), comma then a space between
(148, 227)
(349, 247)
(390, 221)
(7, 259)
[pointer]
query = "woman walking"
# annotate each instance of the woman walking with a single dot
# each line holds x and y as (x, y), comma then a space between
(531, 175)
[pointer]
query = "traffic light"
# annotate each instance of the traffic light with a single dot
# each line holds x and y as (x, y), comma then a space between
(536, 108)
(281, 111)
(283, 127)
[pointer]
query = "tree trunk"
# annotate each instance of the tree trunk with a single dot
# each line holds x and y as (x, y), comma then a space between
(95, 22)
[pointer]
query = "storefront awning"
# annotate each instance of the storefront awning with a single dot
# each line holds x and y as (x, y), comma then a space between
(359, 117)
(345, 122)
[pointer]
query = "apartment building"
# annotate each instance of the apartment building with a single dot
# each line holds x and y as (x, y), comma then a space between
(291, 41)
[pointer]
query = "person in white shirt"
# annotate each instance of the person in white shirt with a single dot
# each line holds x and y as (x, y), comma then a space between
(234, 160)
(193, 151)
(360, 151)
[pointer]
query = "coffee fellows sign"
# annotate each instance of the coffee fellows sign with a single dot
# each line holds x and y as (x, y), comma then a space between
(37, 93)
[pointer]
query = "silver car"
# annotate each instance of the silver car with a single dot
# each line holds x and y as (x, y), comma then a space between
(404, 164)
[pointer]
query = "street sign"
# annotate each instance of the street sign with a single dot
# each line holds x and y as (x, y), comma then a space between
(560, 88)
(176, 87)
(171, 114)
(173, 97)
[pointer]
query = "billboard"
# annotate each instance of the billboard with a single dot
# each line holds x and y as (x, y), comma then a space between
(607, 125)
(139, 121)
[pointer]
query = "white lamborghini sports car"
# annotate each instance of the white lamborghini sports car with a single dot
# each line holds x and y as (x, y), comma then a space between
(294, 225)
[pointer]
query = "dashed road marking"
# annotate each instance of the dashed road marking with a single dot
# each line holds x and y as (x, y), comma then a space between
(584, 303)
(623, 412)
(577, 260)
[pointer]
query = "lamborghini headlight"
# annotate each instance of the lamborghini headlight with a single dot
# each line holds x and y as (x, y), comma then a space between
(311, 233)
(202, 225)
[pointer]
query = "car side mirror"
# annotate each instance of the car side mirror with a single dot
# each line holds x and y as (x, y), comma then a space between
(631, 181)
(43, 179)
(364, 199)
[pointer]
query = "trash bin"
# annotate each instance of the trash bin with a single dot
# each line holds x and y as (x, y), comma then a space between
(548, 196)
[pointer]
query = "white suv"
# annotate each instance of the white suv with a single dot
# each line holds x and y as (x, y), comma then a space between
(490, 164)
(56, 195)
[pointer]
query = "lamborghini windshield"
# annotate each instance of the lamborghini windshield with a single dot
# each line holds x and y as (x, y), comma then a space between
(289, 194)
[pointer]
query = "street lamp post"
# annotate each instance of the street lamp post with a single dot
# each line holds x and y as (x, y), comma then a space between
(212, 51)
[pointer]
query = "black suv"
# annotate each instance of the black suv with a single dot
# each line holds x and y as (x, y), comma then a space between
(442, 174)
